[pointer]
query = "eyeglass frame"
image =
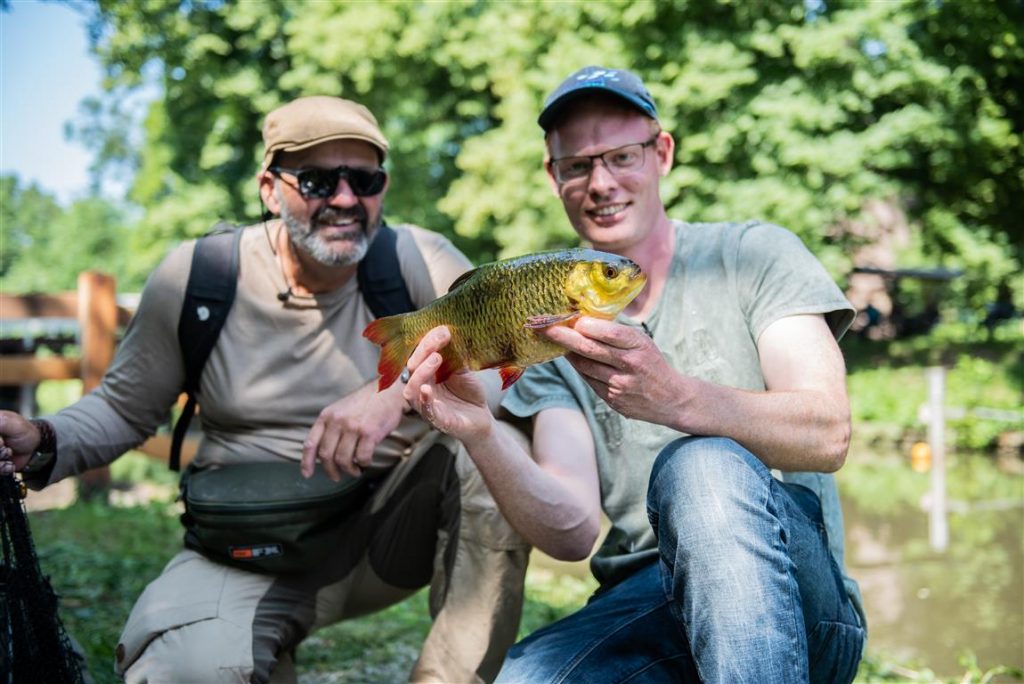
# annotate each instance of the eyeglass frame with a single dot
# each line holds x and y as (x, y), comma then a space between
(378, 175)
(592, 157)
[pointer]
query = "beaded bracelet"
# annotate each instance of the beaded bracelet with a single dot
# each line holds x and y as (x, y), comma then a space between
(47, 436)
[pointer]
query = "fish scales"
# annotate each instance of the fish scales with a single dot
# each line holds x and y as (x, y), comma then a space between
(492, 311)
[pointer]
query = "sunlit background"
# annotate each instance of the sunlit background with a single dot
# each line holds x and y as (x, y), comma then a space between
(888, 135)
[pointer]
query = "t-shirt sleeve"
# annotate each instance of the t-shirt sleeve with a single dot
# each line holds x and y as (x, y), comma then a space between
(778, 276)
(541, 387)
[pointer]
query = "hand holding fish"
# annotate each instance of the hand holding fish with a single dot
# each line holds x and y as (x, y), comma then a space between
(346, 433)
(458, 406)
(624, 367)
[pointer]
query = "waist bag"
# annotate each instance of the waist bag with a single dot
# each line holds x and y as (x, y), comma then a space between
(266, 516)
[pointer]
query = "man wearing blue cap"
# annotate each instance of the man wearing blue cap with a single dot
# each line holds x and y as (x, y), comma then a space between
(705, 422)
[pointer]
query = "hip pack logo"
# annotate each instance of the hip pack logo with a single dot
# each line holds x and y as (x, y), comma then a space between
(255, 551)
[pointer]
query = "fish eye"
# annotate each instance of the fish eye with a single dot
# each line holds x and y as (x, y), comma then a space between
(610, 272)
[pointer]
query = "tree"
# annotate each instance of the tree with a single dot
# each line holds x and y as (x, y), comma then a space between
(45, 247)
(797, 114)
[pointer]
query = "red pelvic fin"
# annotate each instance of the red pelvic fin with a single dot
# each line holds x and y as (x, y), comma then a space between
(387, 332)
(509, 374)
(547, 320)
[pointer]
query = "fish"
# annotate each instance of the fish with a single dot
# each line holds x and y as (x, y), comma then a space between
(494, 311)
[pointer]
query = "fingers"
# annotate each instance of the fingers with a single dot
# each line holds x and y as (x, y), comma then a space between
(590, 335)
(422, 375)
(433, 341)
(6, 460)
(309, 448)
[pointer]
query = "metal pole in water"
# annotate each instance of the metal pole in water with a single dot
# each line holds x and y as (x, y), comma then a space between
(938, 531)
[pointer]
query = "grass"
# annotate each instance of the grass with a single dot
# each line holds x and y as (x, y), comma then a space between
(100, 557)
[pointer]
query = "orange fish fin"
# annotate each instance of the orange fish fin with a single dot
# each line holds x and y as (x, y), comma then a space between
(509, 374)
(449, 364)
(547, 320)
(387, 332)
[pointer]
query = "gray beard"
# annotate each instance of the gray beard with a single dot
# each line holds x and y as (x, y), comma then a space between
(306, 237)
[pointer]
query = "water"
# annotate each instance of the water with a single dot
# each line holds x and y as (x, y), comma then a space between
(926, 608)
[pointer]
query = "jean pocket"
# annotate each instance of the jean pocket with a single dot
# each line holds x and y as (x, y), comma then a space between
(835, 652)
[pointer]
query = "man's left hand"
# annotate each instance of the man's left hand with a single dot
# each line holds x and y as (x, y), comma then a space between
(348, 431)
(623, 366)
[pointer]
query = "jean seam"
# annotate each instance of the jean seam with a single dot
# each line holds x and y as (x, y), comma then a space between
(571, 665)
(649, 665)
(778, 513)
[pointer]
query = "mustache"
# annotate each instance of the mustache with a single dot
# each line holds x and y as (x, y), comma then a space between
(335, 215)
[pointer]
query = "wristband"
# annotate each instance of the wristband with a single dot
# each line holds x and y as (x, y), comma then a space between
(46, 450)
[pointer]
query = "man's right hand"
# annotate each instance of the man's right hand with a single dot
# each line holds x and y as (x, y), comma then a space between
(18, 441)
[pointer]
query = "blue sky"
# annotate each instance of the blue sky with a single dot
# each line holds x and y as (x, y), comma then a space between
(45, 72)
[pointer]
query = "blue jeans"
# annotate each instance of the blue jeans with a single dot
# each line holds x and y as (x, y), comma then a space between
(745, 590)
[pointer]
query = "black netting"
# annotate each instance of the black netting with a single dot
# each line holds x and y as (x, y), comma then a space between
(33, 644)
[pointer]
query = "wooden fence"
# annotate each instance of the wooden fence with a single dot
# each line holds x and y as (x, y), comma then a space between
(89, 319)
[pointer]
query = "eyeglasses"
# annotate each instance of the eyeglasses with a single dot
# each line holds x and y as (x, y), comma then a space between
(320, 183)
(620, 160)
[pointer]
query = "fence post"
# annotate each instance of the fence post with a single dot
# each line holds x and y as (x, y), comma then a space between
(938, 530)
(97, 319)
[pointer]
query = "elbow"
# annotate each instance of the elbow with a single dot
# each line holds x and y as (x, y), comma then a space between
(574, 545)
(837, 445)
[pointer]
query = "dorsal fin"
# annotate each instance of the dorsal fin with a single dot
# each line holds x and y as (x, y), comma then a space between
(462, 279)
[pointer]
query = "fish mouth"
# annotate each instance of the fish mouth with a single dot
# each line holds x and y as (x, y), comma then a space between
(637, 281)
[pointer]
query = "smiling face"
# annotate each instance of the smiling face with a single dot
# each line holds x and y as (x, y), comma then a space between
(612, 211)
(335, 230)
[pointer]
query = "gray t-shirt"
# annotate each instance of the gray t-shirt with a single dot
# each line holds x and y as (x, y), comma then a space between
(727, 283)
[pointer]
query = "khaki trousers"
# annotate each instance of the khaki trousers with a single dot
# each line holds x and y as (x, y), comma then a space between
(430, 521)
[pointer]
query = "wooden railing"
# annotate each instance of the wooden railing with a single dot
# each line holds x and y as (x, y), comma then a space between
(93, 310)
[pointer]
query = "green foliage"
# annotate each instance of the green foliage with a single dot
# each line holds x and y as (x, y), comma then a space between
(798, 113)
(45, 246)
(887, 384)
(99, 559)
(879, 667)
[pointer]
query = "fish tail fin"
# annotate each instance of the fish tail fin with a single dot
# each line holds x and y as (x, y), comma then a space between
(509, 374)
(394, 352)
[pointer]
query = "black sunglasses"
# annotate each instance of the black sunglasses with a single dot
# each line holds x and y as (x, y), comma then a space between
(320, 183)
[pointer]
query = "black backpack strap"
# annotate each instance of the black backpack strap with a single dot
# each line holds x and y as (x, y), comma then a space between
(212, 282)
(380, 277)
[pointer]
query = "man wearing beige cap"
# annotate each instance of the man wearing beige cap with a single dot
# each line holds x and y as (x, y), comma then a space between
(291, 346)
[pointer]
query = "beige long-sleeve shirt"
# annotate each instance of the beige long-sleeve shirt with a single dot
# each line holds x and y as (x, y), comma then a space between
(275, 366)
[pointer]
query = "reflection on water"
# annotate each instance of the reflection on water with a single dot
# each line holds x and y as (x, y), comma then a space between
(926, 607)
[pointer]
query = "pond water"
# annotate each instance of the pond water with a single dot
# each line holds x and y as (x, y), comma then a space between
(930, 607)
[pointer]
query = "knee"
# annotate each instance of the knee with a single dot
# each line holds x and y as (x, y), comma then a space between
(204, 651)
(528, 662)
(704, 484)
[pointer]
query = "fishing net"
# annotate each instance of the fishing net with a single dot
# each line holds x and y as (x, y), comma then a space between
(33, 644)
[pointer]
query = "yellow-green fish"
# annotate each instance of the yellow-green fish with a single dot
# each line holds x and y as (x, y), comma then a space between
(493, 311)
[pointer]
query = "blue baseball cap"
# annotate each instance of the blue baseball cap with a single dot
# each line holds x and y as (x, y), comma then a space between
(619, 82)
